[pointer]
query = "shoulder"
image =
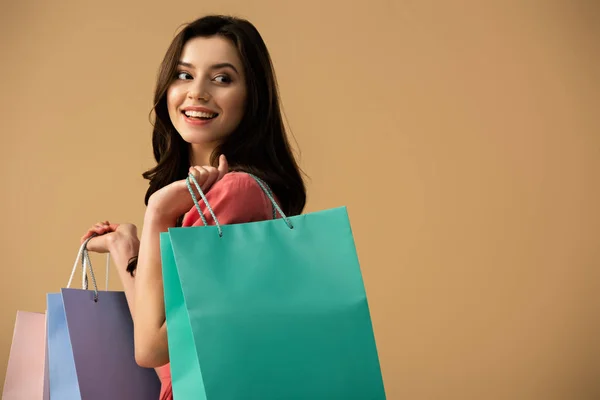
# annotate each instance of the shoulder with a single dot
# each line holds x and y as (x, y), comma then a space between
(240, 187)
(235, 181)
(236, 198)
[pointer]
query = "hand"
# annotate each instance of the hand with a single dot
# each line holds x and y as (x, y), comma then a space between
(174, 200)
(110, 236)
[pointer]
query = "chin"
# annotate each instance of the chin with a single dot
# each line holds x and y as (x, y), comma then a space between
(199, 137)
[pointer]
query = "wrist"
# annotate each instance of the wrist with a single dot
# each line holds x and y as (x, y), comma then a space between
(126, 246)
(158, 216)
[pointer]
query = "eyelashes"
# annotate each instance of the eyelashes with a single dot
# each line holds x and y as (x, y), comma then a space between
(185, 76)
(182, 75)
(225, 78)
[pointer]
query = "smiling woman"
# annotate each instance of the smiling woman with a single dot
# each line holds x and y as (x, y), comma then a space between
(217, 117)
(222, 62)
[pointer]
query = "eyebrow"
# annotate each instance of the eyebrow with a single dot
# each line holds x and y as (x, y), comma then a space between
(214, 66)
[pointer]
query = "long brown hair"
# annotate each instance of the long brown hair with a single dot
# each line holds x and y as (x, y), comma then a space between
(259, 145)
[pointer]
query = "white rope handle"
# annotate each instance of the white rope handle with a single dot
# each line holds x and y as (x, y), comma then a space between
(80, 254)
(107, 270)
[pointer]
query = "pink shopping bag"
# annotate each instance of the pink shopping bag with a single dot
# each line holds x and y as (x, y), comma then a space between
(26, 374)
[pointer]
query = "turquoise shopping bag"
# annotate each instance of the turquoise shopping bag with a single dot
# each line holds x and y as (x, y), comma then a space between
(269, 310)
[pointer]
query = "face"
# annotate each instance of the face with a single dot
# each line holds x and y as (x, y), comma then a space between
(207, 98)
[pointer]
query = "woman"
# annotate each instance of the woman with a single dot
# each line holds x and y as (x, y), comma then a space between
(217, 116)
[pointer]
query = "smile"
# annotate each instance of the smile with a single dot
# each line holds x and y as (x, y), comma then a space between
(198, 118)
(199, 115)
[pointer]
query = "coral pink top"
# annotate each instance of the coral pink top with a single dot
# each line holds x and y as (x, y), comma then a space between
(236, 198)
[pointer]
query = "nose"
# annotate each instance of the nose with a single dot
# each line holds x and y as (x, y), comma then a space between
(197, 91)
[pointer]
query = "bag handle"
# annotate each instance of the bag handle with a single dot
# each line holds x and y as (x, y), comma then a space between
(265, 188)
(86, 264)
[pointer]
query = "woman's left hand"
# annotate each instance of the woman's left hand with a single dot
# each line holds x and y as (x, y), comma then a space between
(111, 237)
(174, 200)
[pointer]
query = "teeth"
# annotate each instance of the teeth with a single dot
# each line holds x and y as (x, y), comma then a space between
(199, 114)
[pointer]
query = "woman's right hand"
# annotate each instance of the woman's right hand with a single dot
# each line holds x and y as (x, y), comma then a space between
(168, 203)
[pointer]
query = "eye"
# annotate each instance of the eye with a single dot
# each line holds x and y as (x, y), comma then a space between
(222, 79)
(183, 75)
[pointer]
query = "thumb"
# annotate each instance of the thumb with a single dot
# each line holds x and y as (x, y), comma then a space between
(223, 167)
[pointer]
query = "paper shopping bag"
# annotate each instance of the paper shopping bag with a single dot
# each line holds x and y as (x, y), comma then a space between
(269, 310)
(91, 350)
(26, 370)
(61, 366)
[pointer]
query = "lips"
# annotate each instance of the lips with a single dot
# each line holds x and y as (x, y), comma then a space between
(203, 115)
(197, 112)
(197, 116)
(198, 121)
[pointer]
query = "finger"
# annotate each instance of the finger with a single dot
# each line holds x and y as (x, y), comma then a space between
(200, 174)
(213, 175)
(99, 229)
(98, 244)
(91, 233)
(223, 166)
(100, 226)
(95, 229)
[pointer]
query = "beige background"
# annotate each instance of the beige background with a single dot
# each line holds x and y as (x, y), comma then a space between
(463, 138)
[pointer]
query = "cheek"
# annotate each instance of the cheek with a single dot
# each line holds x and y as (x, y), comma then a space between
(238, 103)
(173, 99)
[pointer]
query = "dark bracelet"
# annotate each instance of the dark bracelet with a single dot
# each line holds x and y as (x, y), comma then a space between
(132, 265)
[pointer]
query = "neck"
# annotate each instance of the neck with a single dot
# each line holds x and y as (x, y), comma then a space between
(200, 154)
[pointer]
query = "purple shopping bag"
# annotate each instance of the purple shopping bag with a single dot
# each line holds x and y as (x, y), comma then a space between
(91, 352)
(26, 372)
(101, 334)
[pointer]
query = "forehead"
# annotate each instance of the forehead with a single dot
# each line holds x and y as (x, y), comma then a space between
(203, 52)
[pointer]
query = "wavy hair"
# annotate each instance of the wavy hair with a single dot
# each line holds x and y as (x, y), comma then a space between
(259, 145)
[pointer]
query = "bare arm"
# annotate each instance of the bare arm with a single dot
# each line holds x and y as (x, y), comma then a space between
(122, 249)
(151, 347)
(164, 207)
